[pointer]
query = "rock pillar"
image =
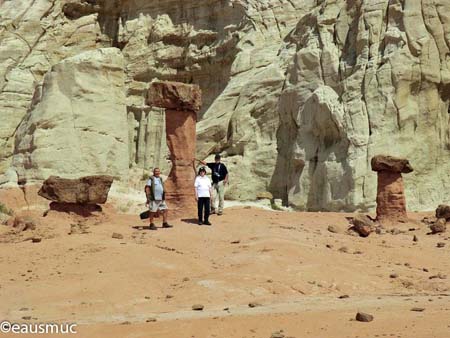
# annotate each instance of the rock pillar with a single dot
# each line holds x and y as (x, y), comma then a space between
(391, 201)
(182, 102)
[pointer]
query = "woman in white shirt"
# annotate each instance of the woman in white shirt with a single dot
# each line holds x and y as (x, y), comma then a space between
(203, 196)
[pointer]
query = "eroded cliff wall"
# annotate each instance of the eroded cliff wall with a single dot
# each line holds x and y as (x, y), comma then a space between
(298, 94)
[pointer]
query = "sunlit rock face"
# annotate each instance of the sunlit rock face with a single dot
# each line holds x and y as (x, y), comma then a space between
(298, 95)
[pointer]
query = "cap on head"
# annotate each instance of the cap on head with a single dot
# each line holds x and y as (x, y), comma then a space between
(217, 157)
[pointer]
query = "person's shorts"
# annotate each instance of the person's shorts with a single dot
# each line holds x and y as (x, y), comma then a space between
(154, 206)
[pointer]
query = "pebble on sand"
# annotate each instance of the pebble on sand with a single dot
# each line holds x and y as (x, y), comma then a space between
(197, 307)
(363, 317)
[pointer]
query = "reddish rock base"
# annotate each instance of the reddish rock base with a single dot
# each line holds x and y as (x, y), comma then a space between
(391, 202)
(181, 137)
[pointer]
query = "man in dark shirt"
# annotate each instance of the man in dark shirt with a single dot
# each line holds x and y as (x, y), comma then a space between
(220, 179)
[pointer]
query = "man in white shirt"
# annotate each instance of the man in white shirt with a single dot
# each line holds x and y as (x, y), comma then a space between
(203, 193)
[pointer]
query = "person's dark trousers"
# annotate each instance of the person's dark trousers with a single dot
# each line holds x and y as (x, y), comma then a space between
(203, 204)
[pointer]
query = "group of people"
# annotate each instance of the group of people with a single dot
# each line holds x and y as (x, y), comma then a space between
(207, 194)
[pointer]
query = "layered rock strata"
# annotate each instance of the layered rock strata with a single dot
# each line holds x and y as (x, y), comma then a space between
(298, 95)
(391, 201)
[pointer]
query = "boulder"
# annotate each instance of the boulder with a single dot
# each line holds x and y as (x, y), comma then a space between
(438, 226)
(391, 164)
(364, 317)
(363, 225)
(84, 190)
(23, 223)
(175, 96)
(443, 211)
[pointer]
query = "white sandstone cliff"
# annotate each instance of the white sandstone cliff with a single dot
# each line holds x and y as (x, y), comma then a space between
(298, 94)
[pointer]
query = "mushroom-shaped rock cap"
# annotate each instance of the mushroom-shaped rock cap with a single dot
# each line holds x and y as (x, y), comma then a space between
(84, 190)
(175, 96)
(391, 164)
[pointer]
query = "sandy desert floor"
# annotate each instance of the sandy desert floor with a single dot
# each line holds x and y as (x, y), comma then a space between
(287, 265)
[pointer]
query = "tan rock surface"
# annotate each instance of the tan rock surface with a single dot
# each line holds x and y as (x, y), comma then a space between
(306, 92)
(78, 124)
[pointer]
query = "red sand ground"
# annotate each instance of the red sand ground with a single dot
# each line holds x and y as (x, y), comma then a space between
(111, 287)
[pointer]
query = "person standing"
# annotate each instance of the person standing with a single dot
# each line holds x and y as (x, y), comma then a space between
(203, 192)
(156, 201)
(220, 179)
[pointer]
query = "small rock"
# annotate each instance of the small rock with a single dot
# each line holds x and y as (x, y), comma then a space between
(24, 223)
(363, 317)
(26, 317)
(329, 246)
(117, 235)
(125, 323)
(395, 231)
(363, 225)
(418, 309)
(264, 195)
(197, 307)
(440, 244)
(393, 275)
(277, 334)
(415, 238)
(169, 296)
(344, 296)
(439, 276)
(425, 269)
(186, 279)
(236, 241)
(151, 319)
(343, 249)
(254, 304)
(23, 309)
(333, 229)
(439, 226)
(36, 240)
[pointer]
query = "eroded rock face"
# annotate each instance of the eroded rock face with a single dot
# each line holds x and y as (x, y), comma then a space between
(307, 92)
(182, 103)
(78, 124)
(84, 190)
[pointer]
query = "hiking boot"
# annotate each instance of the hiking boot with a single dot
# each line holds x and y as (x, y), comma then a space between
(207, 223)
(220, 213)
(200, 223)
(213, 211)
(167, 225)
(152, 226)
